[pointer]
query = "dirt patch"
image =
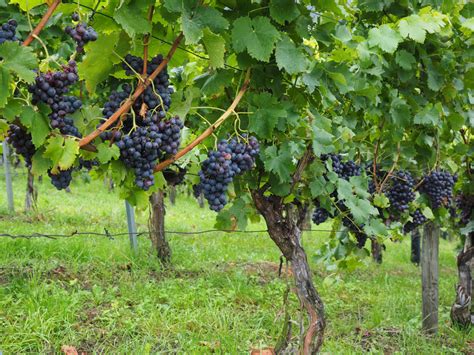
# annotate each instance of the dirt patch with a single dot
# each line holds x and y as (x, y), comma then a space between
(379, 339)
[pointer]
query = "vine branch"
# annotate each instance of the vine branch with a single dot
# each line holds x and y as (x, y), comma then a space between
(127, 104)
(36, 31)
(210, 129)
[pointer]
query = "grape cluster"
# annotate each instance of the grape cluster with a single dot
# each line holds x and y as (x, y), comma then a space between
(418, 218)
(173, 177)
(81, 33)
(50, 88)
(320, 215)
(21, 142)
(62, 179)
(140, 149)
(197, 190)
(222, 165)
(400, 191)
(8, 31)
(157, 96)
(438, 186)
(465, 203)
(344, 170)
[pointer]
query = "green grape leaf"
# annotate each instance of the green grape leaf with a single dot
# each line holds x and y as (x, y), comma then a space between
(283, 10)
(405, 59)
(4, 86)
(100, 59)
(267, 111)
(289, 57)
(37, 124)
(385, 38)
(375, 227)
(215, 47)
(412, 27)
(69, 153)
(106, 153)
(278, 161)
(40, 164)
(380, 200)
(257, 36)
(18, 59)
(132, 18)
(27, 5)
(193, 24)
(54, 149)
(429, 115)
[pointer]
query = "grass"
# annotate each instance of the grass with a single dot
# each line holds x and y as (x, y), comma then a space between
(222, 295)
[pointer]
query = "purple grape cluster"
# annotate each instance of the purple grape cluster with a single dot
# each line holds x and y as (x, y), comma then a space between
(320, 215)
(141, 149)
(21, 141)
(62, 179)
(418, 218)
(438, 186)
(222, 165)
(174, 177)
(157, 96)
(400, 192)
(50, 88)
(8, 31)
(81, 33)
(344, 170)
(465, 203)
(197, 190)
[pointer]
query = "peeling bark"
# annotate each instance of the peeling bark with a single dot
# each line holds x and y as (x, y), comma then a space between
(461, 310)
(284, 224)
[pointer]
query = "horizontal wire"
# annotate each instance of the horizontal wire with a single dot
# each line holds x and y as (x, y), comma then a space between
(112, 235)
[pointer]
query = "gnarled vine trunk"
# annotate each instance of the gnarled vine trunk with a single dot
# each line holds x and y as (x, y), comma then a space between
(157, 227)
(376, 249)
(461, 310)
(415, 246)
(284, 223)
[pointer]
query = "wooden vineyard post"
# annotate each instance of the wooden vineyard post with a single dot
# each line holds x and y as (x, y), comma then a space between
(157, 227)
(8, 177)
(429, 277)
(132, 227)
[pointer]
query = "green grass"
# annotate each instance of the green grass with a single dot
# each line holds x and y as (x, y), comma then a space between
(223, 293)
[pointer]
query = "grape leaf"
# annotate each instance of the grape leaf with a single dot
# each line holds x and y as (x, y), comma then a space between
(412, 27)
(405, 59)
(132, 19)
(283, 10)
(27, 5)
(4, 86)
(278, 161)
(54, 149)
(215, 47)
(18, 59)
(267, 110)
(106, 153)
(69, 152)
(99, 61)
(193, 24)
(428, 115)
(289, 57)
(37, 124)
(257, 36)
(40, 164)
(385, 38)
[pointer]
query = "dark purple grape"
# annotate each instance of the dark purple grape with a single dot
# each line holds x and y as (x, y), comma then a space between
(438, 186)
(21, 142)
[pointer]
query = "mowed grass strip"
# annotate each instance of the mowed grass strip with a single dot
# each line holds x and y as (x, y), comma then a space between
(222, 293)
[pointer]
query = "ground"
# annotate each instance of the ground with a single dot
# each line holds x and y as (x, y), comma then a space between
(223, 293)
